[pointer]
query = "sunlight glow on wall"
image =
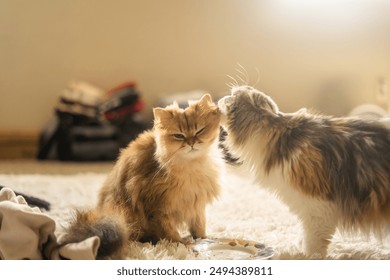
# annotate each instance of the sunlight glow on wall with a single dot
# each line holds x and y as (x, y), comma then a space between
(336, 16)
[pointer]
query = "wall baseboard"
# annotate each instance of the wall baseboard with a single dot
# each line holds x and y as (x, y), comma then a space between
(18, 144)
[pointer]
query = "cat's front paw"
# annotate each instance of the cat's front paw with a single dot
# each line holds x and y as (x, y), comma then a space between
(186, 240)
(316, 250)
(198, 233)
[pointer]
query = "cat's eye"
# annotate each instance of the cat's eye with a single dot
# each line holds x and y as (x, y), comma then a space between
(178, 136)
(199, 132)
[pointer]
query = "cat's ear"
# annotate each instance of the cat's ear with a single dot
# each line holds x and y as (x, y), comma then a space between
(161, 114)
(206, 100)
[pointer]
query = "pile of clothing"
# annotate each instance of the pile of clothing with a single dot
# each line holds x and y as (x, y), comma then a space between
(91, 124)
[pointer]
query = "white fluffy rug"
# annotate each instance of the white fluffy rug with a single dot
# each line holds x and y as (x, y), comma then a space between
(243, 211)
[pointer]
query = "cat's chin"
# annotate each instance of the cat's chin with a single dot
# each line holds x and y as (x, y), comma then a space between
(192, 153)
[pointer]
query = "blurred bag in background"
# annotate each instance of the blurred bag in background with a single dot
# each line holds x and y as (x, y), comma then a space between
(90, 124)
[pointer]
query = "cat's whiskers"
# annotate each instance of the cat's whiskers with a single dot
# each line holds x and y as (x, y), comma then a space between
(242, 77)
(258, 77)
(230, 85)
(244, 73)
(234, 82)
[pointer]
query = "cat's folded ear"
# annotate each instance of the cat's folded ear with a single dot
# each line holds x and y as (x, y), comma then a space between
(161, 114)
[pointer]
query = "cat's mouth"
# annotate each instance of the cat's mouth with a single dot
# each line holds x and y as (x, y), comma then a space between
(223, 108)
(222, 104)
(225, 102)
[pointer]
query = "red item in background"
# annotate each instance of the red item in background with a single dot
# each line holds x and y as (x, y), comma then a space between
(120, 113)
(123, 100)
(122, 86)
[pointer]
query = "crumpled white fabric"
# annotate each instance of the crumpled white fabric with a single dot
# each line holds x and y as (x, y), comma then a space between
(27, 233)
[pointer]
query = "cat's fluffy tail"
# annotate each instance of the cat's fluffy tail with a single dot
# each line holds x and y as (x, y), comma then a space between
(110, 228)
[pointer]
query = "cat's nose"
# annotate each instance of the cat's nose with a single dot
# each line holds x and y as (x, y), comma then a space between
(191, 142)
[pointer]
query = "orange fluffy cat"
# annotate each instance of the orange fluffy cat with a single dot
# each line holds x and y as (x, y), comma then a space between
(163, 180)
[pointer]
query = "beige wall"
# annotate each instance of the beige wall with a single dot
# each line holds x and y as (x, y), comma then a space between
(326, 54)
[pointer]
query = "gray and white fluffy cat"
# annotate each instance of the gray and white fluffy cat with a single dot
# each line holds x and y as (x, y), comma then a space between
(331, 172)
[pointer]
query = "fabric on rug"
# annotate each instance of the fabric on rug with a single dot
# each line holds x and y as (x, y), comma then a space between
(244, 211)
(27, 233)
